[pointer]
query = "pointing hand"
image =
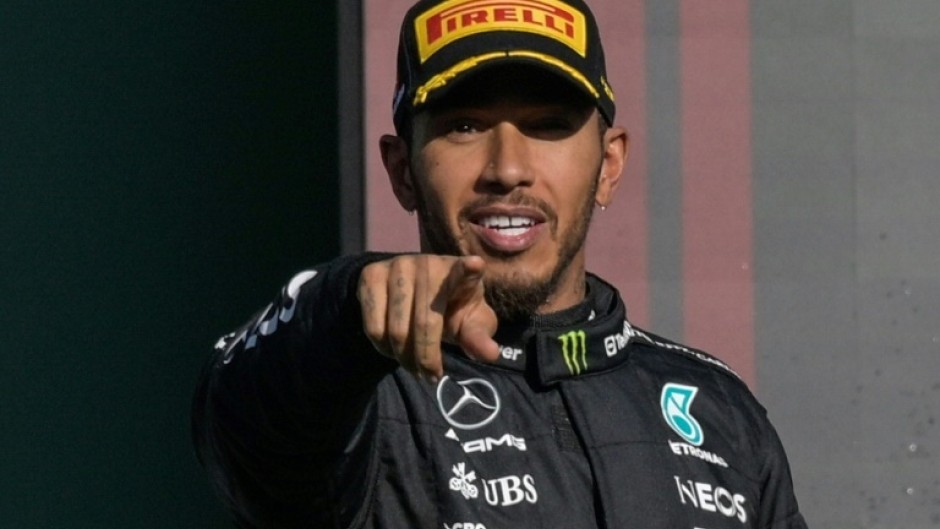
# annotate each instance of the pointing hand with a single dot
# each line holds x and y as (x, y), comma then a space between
(412, 303)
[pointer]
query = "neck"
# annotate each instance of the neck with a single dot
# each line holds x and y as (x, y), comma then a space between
(570, 288)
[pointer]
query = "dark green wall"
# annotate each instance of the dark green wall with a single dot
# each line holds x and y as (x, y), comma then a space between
(164, 167)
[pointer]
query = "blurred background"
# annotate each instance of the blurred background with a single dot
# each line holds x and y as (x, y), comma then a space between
(166, 166)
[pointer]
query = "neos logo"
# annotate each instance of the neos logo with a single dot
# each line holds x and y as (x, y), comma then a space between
(465, 525)
(676, 400)
(467, 404)
(711, 498)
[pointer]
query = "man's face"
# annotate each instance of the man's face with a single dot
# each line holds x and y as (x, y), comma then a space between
(507, 168)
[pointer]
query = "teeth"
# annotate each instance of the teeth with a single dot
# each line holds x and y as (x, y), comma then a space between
(504, 222)
(513, 232)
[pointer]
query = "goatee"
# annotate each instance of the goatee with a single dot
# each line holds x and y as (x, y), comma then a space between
(516, 296)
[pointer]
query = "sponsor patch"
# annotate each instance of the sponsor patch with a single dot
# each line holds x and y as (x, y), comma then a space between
(676, 399)
(510, 490)
(685, 449)
(462, 481)
(273, 316)
(574, 349)
(488, 444)
(456, 19)
(615, 343)
(711, 498)
(504, 491)
(467, 404)
(510, 353)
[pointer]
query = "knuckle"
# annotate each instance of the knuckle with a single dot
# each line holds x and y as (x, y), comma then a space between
(421, 319)
(400, 264)
(372, 272)
(397, 334)
(376, 332)
(373, 329)
(426, 350)
(396, 343)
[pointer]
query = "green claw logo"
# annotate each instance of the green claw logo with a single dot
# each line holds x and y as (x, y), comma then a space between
(574, 349)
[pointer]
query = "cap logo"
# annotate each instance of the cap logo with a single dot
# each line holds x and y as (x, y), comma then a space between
(455, 19)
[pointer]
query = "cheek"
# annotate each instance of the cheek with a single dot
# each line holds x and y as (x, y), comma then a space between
(572, 182)
(443, 206)
(449, 184)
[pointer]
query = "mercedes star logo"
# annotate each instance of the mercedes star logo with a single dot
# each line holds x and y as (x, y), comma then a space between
(468, 404)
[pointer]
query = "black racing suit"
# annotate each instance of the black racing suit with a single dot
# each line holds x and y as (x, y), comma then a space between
(584, 422)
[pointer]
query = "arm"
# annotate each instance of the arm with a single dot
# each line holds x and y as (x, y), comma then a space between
(279, 397)
(778, 508)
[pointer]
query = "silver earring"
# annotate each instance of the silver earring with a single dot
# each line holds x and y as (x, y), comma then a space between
(603, 208)
(411, 213)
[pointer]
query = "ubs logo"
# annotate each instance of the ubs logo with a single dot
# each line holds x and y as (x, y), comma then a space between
(467, 404)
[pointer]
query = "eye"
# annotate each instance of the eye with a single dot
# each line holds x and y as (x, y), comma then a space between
(461, 128)
(553, 123)
(550, 127)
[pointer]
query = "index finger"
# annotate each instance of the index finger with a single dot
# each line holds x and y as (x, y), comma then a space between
(470, 321)
(464, 281)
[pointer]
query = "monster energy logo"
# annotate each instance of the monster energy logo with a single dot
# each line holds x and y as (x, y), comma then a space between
(574, 349)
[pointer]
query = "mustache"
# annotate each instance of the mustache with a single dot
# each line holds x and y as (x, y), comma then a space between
(515, 198)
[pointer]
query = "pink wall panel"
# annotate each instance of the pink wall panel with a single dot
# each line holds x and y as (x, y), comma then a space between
(716, 167)
(617, 246)
(388, 227)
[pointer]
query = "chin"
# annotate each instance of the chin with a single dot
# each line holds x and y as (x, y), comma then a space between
(516, 294)
(516, 275)
(521, 268)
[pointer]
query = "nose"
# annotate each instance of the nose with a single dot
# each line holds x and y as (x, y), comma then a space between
(509, 163)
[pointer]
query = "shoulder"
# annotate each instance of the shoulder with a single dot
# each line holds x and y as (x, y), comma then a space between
(665, 359)
(674, 352)
(724, 405)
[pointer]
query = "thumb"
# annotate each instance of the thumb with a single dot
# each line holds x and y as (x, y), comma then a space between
(476, 338)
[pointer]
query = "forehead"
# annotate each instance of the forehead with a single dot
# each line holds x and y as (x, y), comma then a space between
(511, 83)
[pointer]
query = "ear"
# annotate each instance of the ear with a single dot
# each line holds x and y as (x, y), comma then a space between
(616, 149)
(395, 157)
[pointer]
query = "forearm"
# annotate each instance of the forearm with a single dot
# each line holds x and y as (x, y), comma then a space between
(277, 399)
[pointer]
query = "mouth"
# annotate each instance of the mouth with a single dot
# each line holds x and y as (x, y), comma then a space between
(508, 231)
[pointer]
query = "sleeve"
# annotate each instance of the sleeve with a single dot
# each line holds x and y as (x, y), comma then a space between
(279, 397)
(778, 507)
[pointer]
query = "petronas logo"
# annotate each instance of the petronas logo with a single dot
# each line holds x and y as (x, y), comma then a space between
(676, 400)
(574, 349)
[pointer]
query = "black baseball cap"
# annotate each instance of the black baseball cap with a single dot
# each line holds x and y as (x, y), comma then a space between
(443, 40)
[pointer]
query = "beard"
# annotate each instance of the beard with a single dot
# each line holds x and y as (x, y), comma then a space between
(518, 295)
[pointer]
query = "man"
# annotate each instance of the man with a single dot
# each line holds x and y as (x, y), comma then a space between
(490, 381)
